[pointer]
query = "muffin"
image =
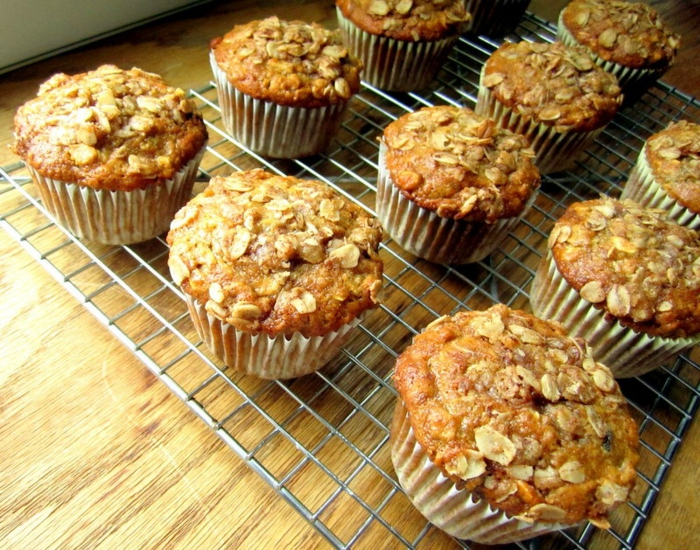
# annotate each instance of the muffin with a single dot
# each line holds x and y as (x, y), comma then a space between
(628, 39)
(553, 94)
(495, 18)
(276, 271)
(626, 279)
(283, 86)
(451, 185)
(113, 153)
(403, 43)
(667, 173)
(507, 428)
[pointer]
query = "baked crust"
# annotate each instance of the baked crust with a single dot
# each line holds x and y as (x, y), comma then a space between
(627, 33)
(291, 63)
(516, 411)
(673, 155)
(273, 254)
(459, 164)
(553, 84)
(109, 129)
(407, 20)
(633, 263)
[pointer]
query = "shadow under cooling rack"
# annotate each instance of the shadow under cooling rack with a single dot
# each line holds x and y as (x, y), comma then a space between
(322, 441)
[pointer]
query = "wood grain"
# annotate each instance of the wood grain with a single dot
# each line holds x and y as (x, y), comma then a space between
(96, 452)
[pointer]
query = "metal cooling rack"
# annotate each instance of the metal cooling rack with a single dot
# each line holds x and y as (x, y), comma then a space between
(322, 442)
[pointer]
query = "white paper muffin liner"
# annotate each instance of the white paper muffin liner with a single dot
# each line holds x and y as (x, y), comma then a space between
(395, 65)
(263, 356)
(455, 511)
(625, 352)
(643, 188)
(117, 217)
(495, 17)
(633, 81)
(272, 130)
(554, 151)
(425, 234)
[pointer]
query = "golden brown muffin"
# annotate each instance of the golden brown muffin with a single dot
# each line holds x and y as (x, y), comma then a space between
(630, 34)
(402, 42)
(514, 411)
(289, 63)
(109, 129)
(274, 254)
(667, 173)
(631, 267)
(407, 20)
(553, 94)
(457, 166)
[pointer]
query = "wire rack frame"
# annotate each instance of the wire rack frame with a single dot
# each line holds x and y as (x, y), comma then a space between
(322, 441)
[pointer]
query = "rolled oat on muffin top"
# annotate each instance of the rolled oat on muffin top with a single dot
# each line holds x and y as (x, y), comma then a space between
(407, 20)
(633, 263)
(109, 129)
(514, 410)
(276, 254)
(556, 85)
(628, 33)
(673, 155)
(289, 63)
(459, 164)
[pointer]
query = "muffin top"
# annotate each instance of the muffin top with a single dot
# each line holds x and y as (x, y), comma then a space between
(109, 129)
(291, 63)
(673, 155)
(273, 254)
(407, 20)
(459, 164)
(627, 33)
(633, 263)
(511, 408)
(553, 84)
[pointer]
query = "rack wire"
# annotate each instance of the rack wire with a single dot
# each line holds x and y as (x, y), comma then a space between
(322, 441)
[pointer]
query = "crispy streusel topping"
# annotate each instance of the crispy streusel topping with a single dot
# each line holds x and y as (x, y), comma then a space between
(628, 33)
(512, 408)
(638, 266)
(109, 129)
(673, 155)
(276, 254)
(289, 63)
(407, 20)
(459, 164)
(554, 84)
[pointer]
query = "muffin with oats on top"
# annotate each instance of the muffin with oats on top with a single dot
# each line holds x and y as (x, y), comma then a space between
(627, 39)
(451, 184)
(667, 173)
(276, 271)
(625, 278)
(283, 86)
(507, 428)
(403, 43)
(114, 153)
(553, 94)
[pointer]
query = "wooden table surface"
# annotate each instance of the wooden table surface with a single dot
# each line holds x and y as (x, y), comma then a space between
(94, 450)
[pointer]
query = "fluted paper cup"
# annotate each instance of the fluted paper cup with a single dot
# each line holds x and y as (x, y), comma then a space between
(272, 130)
(625, 352)
(117, 217)
(260, 355)
(643, 188)
(455, 511)
(395, 65)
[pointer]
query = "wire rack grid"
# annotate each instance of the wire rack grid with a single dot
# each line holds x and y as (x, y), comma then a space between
(322, 441)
